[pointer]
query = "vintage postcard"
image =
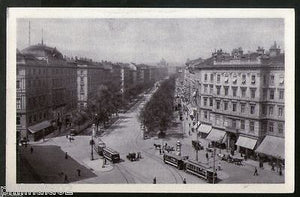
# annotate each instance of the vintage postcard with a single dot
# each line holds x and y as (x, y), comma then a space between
(150, 100)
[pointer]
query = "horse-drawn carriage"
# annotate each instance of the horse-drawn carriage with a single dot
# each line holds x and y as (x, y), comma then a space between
(231, 159)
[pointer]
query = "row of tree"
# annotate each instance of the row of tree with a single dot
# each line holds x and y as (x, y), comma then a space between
(157, 114)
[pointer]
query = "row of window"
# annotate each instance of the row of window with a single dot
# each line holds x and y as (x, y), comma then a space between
(266, 79)
(45, 71)
(243, 91)
(209, 102)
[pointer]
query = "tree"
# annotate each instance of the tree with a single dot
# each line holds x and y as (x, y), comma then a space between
(157, 114)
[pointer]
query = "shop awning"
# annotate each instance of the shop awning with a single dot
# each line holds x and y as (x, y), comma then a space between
(196, 125)
(216, 135)
(204, 128)
(40, 126)
(246, 142)
(272, 146)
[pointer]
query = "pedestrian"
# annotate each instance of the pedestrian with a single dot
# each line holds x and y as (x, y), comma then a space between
(66, 155)
(255, 172)
(159, 151)
(261, 164)
(206, 155)
(31, 150)
(219, 166)
(273, 165)
(66, 178)
(280, 170)
(78, 172)
(67, 136)
(154, 180)
(70, 139)
(184, 181)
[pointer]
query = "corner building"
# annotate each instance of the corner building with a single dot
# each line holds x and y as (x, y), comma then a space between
(242, 101)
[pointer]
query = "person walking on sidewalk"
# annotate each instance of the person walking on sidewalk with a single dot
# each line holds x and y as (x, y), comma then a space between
(206, 155)
(255, 172)
(78, 172)
(184, 181)
(66, 155)
(154, 180)
(31, 150)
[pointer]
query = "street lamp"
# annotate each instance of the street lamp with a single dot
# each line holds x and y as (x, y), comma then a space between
(92, 141)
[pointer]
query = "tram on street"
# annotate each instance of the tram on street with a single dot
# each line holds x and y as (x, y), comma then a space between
(111, 155)
(99, 146)
(201, 170)
(174, 160)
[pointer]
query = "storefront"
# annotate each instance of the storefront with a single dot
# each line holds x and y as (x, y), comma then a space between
(39, 130)
(204, 130)
(246, 146)
(216, 136)
(272, 149)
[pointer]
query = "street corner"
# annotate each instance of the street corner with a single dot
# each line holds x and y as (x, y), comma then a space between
(96, 165)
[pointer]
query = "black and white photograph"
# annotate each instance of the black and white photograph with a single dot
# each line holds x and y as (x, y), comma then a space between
(129, 97)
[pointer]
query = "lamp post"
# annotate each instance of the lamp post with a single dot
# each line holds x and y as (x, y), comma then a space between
(92, 141)
(214, 168)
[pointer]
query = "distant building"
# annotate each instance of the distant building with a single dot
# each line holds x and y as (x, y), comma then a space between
(239, 100)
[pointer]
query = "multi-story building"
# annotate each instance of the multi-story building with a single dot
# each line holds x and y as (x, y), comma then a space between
(46, 89)
(242, 100)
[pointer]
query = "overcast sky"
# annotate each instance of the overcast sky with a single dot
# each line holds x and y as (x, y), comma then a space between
(149, 40)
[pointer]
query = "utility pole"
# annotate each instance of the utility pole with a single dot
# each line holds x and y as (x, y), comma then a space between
(214, 167)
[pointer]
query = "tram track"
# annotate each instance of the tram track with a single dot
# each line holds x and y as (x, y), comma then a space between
(159, 160)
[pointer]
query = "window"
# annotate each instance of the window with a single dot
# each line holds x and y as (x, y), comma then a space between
(205, 88)
(243, 79)
(264, 80)
(271, 126)
(204, 101)
(226, 90)
(270, 110)
(280, 127)
(264, 110)
(18, 103)
(242, 124)
(226, 79)
(81, 79)
(218, 78)
(243, 92)
(234, 81)
(281, 80)
(243, 105)
(252, 109)
(218, 104)
(45, 115)
(233, 106)
(280, 111)
(265, 92)
(30, 119)
(34, 118)
(211, 77)
(81, 88)
(234, 90)
(210, 102)
(271, 94)
(205, 77)
(225, 105)
(18, 84)
(253, 92)
(205, 114)
(281, 94)
(211, 89)
(218, 90)
(233, 124)
(18, 120)
(272, 79)
(253, 79)
(251, 126)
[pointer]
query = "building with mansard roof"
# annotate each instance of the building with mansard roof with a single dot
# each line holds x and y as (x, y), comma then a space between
(239, 100)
